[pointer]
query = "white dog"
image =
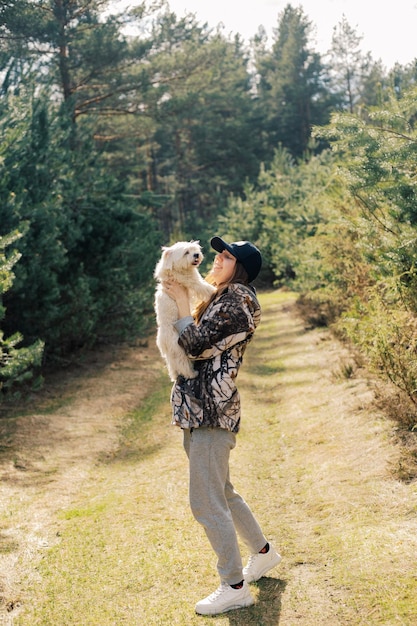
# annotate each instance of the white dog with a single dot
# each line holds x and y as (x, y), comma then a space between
(179, 262)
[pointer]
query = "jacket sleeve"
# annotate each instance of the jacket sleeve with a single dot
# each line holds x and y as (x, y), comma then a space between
(228, 322)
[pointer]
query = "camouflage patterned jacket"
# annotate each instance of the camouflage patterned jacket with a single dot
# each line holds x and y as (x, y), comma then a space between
(216, 347)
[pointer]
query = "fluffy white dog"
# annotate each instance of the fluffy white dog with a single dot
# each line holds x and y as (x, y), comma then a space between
(178, 262)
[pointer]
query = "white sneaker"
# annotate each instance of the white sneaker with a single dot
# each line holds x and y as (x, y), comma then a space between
(225, 598)
(258, 564)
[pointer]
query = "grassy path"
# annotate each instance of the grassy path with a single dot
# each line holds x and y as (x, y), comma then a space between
(116, 543)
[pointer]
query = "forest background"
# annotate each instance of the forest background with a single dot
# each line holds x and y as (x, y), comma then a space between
(113, 144)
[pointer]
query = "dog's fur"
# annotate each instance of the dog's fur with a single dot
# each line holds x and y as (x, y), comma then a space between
(178, 262)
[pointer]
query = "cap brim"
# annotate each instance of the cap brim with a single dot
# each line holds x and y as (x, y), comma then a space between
(218, 244)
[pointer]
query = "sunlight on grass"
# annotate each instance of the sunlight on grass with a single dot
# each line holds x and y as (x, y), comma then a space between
(311, 462)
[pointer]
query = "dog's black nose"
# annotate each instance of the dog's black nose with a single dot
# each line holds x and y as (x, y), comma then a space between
(196, 255)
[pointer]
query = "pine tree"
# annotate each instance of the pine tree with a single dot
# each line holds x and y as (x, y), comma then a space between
(203, 145)
(292, 92)
(358, 80)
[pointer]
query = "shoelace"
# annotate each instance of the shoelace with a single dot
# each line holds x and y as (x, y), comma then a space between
(251, 560)
(223, 587)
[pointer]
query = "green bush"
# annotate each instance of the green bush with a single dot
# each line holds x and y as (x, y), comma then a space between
(88, 252)
(17, 365)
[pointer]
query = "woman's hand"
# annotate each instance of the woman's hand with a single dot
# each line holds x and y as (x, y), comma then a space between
(175, 291)
(179, 293)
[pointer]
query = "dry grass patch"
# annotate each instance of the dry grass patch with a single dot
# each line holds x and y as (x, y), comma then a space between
(314, 460)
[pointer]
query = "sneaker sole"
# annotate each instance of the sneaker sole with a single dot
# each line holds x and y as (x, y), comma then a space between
(226, 610)
(277, 560)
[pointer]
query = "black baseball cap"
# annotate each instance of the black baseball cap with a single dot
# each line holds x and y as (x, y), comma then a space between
(244, 251)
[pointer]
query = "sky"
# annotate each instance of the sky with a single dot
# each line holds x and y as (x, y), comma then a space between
(388, 28)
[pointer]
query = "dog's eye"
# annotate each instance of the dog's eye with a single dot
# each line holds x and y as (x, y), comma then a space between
(187, 252)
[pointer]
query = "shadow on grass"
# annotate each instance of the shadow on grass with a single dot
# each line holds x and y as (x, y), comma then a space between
(267, 368)
(267, 609)
(7, 545)
(137, 440)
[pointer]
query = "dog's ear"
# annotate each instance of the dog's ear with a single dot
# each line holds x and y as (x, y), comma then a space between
(167, 258)
(162, 263)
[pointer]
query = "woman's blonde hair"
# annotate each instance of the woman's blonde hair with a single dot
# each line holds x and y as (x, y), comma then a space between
(239, 275)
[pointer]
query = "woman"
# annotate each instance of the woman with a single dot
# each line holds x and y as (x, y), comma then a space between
(207, 408)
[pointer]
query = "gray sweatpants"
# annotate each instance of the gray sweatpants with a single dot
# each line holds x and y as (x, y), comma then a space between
(215, 503)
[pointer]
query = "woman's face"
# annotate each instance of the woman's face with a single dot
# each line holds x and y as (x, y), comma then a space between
(223, 267)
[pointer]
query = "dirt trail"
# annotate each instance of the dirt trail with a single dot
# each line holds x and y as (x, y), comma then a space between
(45, 460)
(341, 512)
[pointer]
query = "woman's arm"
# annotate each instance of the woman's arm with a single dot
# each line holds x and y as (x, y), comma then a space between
(231, 319)
(228, 321)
